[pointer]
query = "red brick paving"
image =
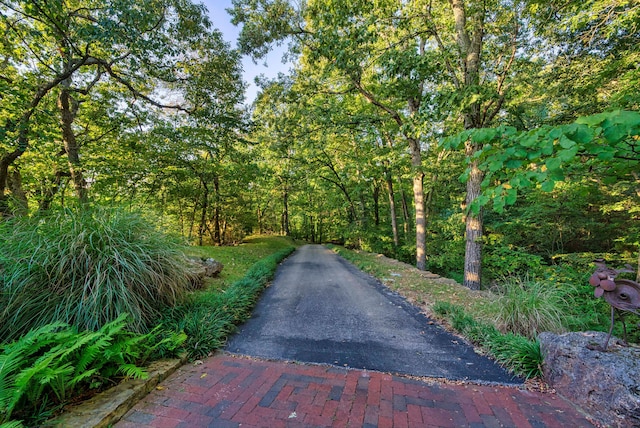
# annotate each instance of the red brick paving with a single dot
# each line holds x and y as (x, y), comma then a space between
(230, 391)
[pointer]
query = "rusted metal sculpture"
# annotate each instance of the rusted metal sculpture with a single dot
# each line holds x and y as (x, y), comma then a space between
(621, 294)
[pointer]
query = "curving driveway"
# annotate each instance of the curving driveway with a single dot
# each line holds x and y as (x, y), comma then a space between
(321, 309)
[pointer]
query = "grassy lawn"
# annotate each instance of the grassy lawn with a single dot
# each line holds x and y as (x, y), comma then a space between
(239, 258)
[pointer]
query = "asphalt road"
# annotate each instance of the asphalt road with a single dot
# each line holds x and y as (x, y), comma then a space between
(321, 309)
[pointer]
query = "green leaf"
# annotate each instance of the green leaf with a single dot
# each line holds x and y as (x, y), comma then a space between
(581, 134)
(533, 155)
(495, 165)
(484, 135)
(553, 164)
(547, 147)
(556, 175)
(513, 163)
(566, 143)
(568, 155)
(548, 185)
(519, 182)
(625, 117)
(520, 153)
(593, 120)
(529, 140)
(555, 133)
(481, 200)
(511, 197)
(615, 132)
(606, 153)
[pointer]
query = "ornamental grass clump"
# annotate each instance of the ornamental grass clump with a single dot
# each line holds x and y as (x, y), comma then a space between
(528, 307)
(85, 269)
(516, 353)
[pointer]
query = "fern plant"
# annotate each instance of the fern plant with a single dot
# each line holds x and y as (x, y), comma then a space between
(55, 361)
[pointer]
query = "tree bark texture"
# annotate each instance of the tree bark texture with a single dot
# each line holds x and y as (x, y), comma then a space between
(68, 108)
(204, 206)
(470, 47)
(285, 211)
(392, 208)
(418, 202)
(473, 232)
(405, 215)
(49, 191)
(376, 205)
(217, 235)
(19, 196)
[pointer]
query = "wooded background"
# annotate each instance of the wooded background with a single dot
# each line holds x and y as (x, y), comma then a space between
(472, 138)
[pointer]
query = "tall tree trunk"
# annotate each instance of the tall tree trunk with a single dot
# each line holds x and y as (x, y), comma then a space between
(638, 271)
(285, 210)
(68, 108)
(216, 211)
(418, 202)
(8, 159)
(14, 182)
(421, 236)
(312, 229)
(405, 214)
(473, 230)
(49, 191)
(470, 47)
(392, 207)
(5, 161)
(202, 228)
(388, 178)
(260, 215)
(376, 204)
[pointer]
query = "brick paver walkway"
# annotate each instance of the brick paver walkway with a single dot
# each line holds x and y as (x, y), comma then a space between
(230, 391)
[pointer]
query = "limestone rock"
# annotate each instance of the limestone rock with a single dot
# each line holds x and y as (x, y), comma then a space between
(604, 384)
(212, 267)
(205, 268)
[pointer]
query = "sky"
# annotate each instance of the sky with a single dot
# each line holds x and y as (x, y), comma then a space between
(270, 66)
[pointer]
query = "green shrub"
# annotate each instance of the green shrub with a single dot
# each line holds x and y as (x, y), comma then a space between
(52, 362)
(85, 269)
(446, 245)
(209, 317)
(528, 307)
(501, 260)
(571, 272)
